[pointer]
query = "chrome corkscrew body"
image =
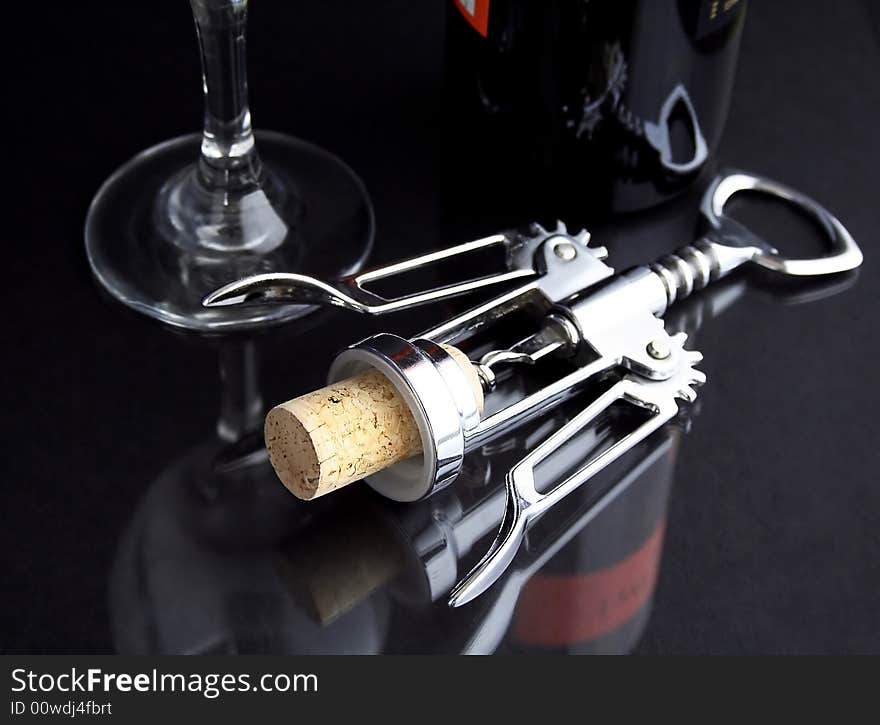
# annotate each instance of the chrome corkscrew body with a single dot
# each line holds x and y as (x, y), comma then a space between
(607, 328)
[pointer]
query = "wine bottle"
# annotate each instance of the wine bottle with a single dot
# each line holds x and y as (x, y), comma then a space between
(616, 104)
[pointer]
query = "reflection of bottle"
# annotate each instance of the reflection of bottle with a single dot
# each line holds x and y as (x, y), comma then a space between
(594, 596)
(623, 101)
(366, 550)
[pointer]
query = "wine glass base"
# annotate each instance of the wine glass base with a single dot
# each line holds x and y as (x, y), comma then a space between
(324, 210)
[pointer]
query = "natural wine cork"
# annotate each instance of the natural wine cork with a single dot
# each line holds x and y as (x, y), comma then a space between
(347, 431)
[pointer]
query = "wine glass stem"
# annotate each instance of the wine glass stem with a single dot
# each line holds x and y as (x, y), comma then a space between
(241, 402)
(228, 157)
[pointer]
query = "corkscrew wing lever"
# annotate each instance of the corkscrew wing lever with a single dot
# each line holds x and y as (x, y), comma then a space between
(351, 292)
(525, 504)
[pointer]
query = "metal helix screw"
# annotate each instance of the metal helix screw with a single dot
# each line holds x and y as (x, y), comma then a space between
(690, 268)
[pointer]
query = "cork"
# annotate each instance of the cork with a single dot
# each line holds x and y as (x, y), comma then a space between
(346, 431)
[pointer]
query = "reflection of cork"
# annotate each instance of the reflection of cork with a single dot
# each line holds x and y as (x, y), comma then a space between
(351, 429)
(339, 562)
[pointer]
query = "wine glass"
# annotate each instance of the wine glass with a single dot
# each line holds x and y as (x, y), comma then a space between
(193, 213)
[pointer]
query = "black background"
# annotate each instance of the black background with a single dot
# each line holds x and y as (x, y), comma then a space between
(772, 540)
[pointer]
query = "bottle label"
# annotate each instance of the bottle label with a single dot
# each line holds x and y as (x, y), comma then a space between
(476, 12)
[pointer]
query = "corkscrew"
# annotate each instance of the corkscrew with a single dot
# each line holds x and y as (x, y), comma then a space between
(403, 413)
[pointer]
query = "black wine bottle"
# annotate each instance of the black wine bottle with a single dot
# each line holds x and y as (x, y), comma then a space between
(617, 105)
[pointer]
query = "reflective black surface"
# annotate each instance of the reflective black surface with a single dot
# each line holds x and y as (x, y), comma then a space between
(132, 522)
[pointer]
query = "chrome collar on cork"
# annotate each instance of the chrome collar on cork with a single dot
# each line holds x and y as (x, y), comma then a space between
(428, 379)
(600, 323)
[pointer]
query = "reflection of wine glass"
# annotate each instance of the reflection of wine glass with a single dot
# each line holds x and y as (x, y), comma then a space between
(197, 570)
(198, 211)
